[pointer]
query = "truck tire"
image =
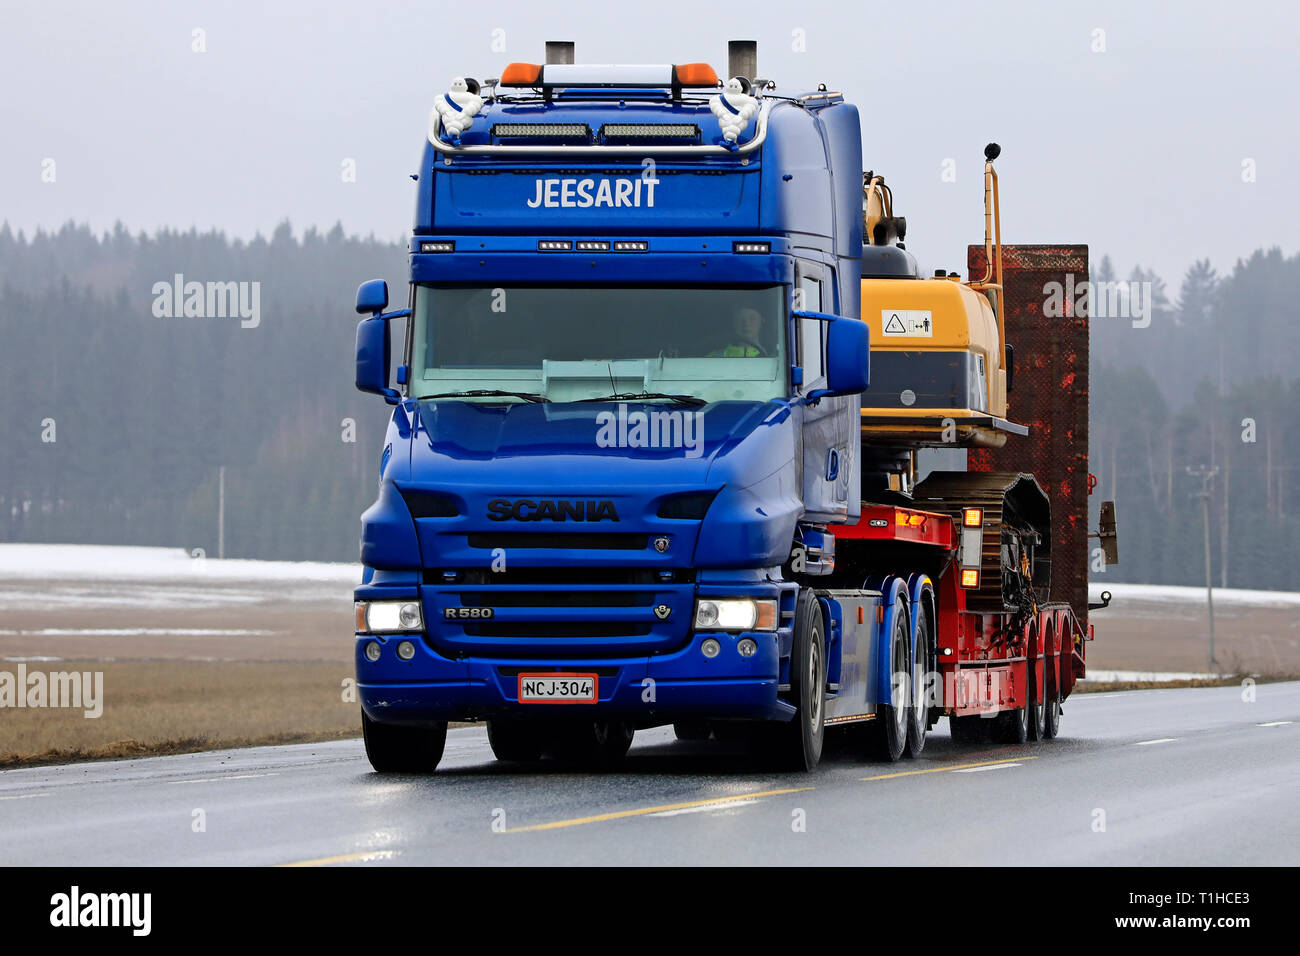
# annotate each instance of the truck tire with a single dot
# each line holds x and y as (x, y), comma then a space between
(969, 730)
(1033, 707)
(798, 744)
(1051, 701)
(514, 740)
(890, 728)
(393, 748)
(598, 743)
(692, 730)
(919, 717)
(1013, 725)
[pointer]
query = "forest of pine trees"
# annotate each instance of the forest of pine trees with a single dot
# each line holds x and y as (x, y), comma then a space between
(114, 422)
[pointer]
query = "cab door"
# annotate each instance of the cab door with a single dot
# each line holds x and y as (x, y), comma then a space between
(829, 434)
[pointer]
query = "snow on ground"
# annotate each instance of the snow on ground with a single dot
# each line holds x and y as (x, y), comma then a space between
(1177, 594)
(48, 563)
(1108, 677)
(94, 562)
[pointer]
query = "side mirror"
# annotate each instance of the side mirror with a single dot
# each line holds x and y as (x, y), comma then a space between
(848, 357)
(372, 297)
(373, 346)
(374, 340)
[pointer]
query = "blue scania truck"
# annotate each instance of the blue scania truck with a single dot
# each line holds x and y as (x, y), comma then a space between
(626, 423)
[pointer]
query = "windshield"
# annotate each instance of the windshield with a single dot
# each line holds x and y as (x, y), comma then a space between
(567, 344)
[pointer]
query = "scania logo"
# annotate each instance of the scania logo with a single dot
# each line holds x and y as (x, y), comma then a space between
(661, 545)
(525, 509)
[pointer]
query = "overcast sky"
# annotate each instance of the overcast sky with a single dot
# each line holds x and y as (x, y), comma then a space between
(1137, 150)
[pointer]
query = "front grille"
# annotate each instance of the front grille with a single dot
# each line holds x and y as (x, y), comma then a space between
(564, 577)
(579, 540)
(564, 598)
(557, 629)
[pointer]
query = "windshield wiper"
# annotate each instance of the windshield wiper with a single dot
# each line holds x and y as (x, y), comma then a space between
(639, 396)
(487, 393)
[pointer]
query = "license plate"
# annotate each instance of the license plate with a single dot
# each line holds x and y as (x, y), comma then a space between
(556, 688)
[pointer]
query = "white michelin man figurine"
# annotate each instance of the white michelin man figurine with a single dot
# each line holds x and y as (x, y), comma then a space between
(733, 107)
(456, 109)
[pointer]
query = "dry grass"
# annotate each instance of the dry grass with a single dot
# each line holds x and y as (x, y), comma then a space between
(176, 706)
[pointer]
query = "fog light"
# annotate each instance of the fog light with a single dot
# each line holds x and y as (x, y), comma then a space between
(409, 616)
(747, 647)
(372, 651)
(711, 648)
(406, 650)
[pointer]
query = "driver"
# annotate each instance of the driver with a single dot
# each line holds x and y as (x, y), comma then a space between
(746, 324)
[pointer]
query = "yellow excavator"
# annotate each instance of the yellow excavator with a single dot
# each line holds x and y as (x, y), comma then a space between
(939, 362)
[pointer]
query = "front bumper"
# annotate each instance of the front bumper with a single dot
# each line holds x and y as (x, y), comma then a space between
(646, 691)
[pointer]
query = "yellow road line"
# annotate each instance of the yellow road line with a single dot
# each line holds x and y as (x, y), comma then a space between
(345, 858)
(217, 779)
(623, 814)
(945, 769)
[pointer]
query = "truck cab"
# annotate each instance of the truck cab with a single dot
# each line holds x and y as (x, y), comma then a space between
(624, 419)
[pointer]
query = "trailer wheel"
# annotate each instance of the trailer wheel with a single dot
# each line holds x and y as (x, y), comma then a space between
(514, 740)
(1013, 725)
(798, 744)
(1051, 701)
(393, 748)
(889, 730)
(692, 730)
(969, 730)
(1035, 668)
(919, 717)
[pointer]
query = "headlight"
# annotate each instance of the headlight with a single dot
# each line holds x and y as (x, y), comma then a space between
(381, 617)
(735, 614)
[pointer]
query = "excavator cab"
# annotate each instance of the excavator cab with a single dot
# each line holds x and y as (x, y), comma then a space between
(939, 361)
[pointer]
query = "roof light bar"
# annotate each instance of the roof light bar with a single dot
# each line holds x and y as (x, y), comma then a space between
(554, 245)
(611, 131)
(593, 245)
(631, 245)
(542, 131)
(751, 248)
(438, 245)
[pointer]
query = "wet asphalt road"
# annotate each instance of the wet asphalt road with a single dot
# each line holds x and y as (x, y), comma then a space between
(1166, 777)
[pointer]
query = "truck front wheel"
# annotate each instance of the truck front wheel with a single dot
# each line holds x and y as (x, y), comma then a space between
(800, 742)
(393, 748)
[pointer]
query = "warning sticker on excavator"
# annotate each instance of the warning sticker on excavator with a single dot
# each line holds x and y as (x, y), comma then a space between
(916, 323)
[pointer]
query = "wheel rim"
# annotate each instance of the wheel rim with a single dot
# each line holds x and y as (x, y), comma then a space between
(901, 654)
(814, 680)
(920, 705)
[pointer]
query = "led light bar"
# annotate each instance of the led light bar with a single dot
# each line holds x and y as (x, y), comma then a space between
(554, 245)
(441, 245)
(593, 245)
(631, 245)
(541, 131)
(649, 131)
(752, 248)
